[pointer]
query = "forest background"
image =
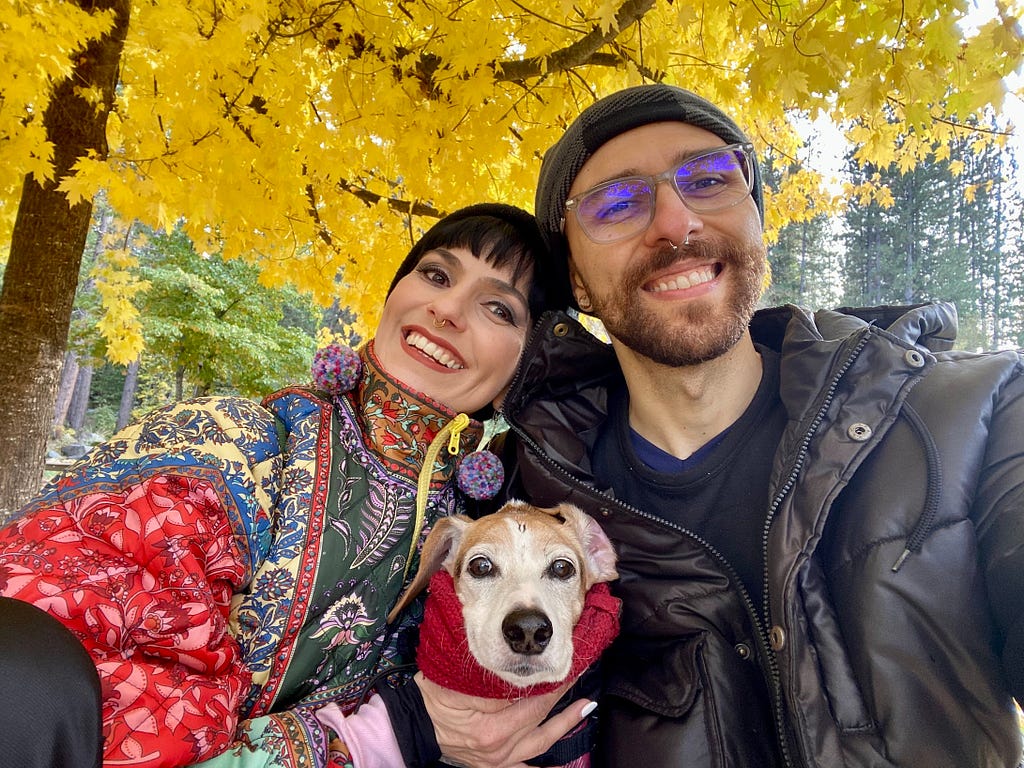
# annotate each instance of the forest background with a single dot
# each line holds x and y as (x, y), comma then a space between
(193, 194)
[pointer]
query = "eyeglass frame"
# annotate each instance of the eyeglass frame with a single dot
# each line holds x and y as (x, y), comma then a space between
(669, 175)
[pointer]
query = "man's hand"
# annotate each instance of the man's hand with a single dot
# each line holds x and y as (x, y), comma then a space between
(494, 733)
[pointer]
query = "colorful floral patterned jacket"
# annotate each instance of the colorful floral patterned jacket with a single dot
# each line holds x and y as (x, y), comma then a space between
(229, 566)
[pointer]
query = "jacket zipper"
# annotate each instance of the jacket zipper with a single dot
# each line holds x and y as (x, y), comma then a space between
(773, 508)
(759, 627)
(760, 620)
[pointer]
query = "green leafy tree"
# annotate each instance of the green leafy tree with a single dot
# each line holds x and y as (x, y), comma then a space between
(211, 325)
(899, 250)
(987, 230)
(183, 296)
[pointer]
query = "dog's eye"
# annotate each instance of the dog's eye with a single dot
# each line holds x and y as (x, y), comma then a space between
(480, 567)
(561, 569)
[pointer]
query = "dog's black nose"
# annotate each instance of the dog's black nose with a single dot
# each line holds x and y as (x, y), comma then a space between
(526, 631)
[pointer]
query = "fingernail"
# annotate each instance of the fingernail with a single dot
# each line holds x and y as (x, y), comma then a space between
(588, 709)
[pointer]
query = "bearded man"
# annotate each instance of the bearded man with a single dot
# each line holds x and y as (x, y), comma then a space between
(819, 516)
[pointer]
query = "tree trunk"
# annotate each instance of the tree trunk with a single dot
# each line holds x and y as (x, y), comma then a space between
(68, 377)
(997, 248)
(42, 270)
(80, 398)
(131, 386)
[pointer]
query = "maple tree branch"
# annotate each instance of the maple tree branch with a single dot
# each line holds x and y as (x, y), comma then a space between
(321, 230)
(795, 36)
(903, 16)
(643, 69)
(396, 204)
(953, 123)
(583, 51)
(318, 18)
(426, 65)
(216, 15)
(972, 128)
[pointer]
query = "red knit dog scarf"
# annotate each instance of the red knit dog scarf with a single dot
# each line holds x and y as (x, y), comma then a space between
(443, 654)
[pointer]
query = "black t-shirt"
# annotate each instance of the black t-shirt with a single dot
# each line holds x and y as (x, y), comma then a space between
(720, 493)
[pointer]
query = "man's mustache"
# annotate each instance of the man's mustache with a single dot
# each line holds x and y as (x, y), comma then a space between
(665, 256)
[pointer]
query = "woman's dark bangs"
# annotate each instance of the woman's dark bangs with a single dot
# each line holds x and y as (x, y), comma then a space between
(494, 240)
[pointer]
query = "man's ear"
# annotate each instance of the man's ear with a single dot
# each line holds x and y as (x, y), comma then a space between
(579, 291)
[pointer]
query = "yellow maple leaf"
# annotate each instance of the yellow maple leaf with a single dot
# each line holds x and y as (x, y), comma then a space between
(293, 134)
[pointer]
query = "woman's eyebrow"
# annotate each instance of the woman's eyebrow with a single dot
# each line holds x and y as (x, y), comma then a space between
(447, 256)
(495, 283)
(503, 286)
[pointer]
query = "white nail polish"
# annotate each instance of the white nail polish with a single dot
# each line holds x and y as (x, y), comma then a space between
(588, 709)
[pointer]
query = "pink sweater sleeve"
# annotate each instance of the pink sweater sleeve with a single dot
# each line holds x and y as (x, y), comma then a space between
(366, 732)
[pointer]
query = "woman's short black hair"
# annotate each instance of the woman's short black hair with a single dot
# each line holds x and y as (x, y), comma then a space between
(504, 236)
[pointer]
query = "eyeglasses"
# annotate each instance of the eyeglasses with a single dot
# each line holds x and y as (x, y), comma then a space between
(621, 208)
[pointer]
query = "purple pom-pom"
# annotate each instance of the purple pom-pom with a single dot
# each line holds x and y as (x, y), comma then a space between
(481, 475)
(336, 368)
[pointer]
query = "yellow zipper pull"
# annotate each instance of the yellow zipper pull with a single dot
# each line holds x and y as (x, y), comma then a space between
(451, 430)
(458, 424)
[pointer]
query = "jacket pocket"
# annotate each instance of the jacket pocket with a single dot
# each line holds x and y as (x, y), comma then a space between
(663, 679)
(826, 646)
(687, 701)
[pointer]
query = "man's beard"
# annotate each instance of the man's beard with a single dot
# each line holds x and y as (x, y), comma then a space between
(698, 332)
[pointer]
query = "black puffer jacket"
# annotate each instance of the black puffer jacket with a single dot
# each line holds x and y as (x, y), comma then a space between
(893, 630)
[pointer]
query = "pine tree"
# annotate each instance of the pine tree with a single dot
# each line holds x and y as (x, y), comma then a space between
(947, 229)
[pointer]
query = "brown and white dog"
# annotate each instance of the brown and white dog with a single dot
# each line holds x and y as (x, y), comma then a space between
(522, 576)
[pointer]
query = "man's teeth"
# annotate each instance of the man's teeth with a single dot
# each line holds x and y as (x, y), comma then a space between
(681, 282)
(430, 349)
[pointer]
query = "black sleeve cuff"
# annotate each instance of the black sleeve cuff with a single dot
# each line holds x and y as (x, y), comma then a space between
(411, 723)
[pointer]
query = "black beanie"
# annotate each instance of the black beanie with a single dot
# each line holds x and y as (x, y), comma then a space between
(607, 118)
(549, 287)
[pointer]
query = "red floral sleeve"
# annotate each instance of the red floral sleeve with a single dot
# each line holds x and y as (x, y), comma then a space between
(143, 576)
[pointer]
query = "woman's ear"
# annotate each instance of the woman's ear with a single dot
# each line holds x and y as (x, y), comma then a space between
(439, 551)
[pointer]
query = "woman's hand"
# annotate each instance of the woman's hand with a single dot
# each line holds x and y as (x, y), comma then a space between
(494, 733)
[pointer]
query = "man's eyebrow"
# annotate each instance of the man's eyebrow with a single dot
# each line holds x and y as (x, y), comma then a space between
(678, 158)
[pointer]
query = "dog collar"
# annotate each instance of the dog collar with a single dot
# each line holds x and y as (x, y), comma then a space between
(443, 653)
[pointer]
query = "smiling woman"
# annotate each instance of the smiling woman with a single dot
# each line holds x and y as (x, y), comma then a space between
(243, 558)
(452, 325)
(460, 305)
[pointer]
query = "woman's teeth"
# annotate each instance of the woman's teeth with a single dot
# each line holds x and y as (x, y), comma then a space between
(432, 350)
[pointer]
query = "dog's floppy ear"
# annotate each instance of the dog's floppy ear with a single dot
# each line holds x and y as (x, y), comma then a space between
(438, 552)
(597, 548)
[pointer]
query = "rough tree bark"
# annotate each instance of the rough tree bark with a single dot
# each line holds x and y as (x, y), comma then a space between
(42, 270)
